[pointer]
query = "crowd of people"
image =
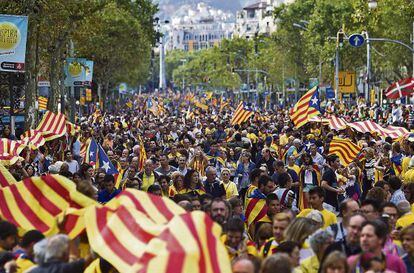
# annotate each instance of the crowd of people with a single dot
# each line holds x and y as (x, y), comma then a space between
(285, 204)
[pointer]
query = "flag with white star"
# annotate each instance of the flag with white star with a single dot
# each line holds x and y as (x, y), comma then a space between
(306, 108)
(91, 152)
(105, 162)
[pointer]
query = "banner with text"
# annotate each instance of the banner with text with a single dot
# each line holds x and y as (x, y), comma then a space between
(13, 37)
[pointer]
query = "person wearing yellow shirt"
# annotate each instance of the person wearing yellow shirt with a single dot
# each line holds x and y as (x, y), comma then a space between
(319, 242)
(25, 253)
(407, 217)
(229, 186)
(252, 136)
(280, 223)
(254, 183)
(148, 176)
(236, 241)
(292, 165)
(316, 198)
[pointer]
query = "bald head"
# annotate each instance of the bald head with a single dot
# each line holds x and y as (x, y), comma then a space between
(243, 265)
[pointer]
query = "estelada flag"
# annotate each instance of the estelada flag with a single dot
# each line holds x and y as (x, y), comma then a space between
(306, 108)
(400, 89)
(242, 113)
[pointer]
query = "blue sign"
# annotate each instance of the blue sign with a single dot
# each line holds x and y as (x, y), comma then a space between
(330, 93)
(13, 37)
(356, 40)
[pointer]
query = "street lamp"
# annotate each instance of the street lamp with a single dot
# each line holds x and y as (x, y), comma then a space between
(372, 4)
(158, 24)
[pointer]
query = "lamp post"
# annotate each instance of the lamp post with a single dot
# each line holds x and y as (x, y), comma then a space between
(159, 25)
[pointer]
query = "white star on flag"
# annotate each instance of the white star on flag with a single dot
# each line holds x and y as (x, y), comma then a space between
(308, 145)
(106, 166)
(91, 154)
(314, 101)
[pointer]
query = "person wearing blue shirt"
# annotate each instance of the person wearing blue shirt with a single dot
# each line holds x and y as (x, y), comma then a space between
(109, 191)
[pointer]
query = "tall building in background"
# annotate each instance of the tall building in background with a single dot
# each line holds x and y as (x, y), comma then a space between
(195, 27)
(257, 18)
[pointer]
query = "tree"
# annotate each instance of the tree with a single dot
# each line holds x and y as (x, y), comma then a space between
(107, 31)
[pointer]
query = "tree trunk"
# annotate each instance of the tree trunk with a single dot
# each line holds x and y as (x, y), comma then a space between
(32, 57)
(31, 77)
(54, 81)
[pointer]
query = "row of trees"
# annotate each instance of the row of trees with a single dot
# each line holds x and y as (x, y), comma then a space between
(302, 53)
(116, 34)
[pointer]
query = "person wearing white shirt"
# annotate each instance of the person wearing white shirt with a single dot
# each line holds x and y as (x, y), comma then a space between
(73, 164)
(284, 193)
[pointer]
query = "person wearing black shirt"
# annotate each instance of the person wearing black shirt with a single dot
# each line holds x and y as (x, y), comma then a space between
(268, 160)
(329, 181)
(212, 185)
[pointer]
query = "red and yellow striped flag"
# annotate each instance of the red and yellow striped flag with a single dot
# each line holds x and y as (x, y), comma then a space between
(133, 243)
(52, 125)
(71, 128)
(34, 138)
(42, 101)
(37, 203)
(6, 178)
(159, 210)
(201, 251)
(345, 149)
(256, 210)
(10, 150)
(242, 114)
(306, 108)
(84, 148)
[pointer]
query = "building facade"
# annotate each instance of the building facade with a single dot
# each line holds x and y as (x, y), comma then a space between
(198, 27)
(257, 18)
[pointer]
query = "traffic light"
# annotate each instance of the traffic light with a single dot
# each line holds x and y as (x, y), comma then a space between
(340, 39)
(88, 94)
